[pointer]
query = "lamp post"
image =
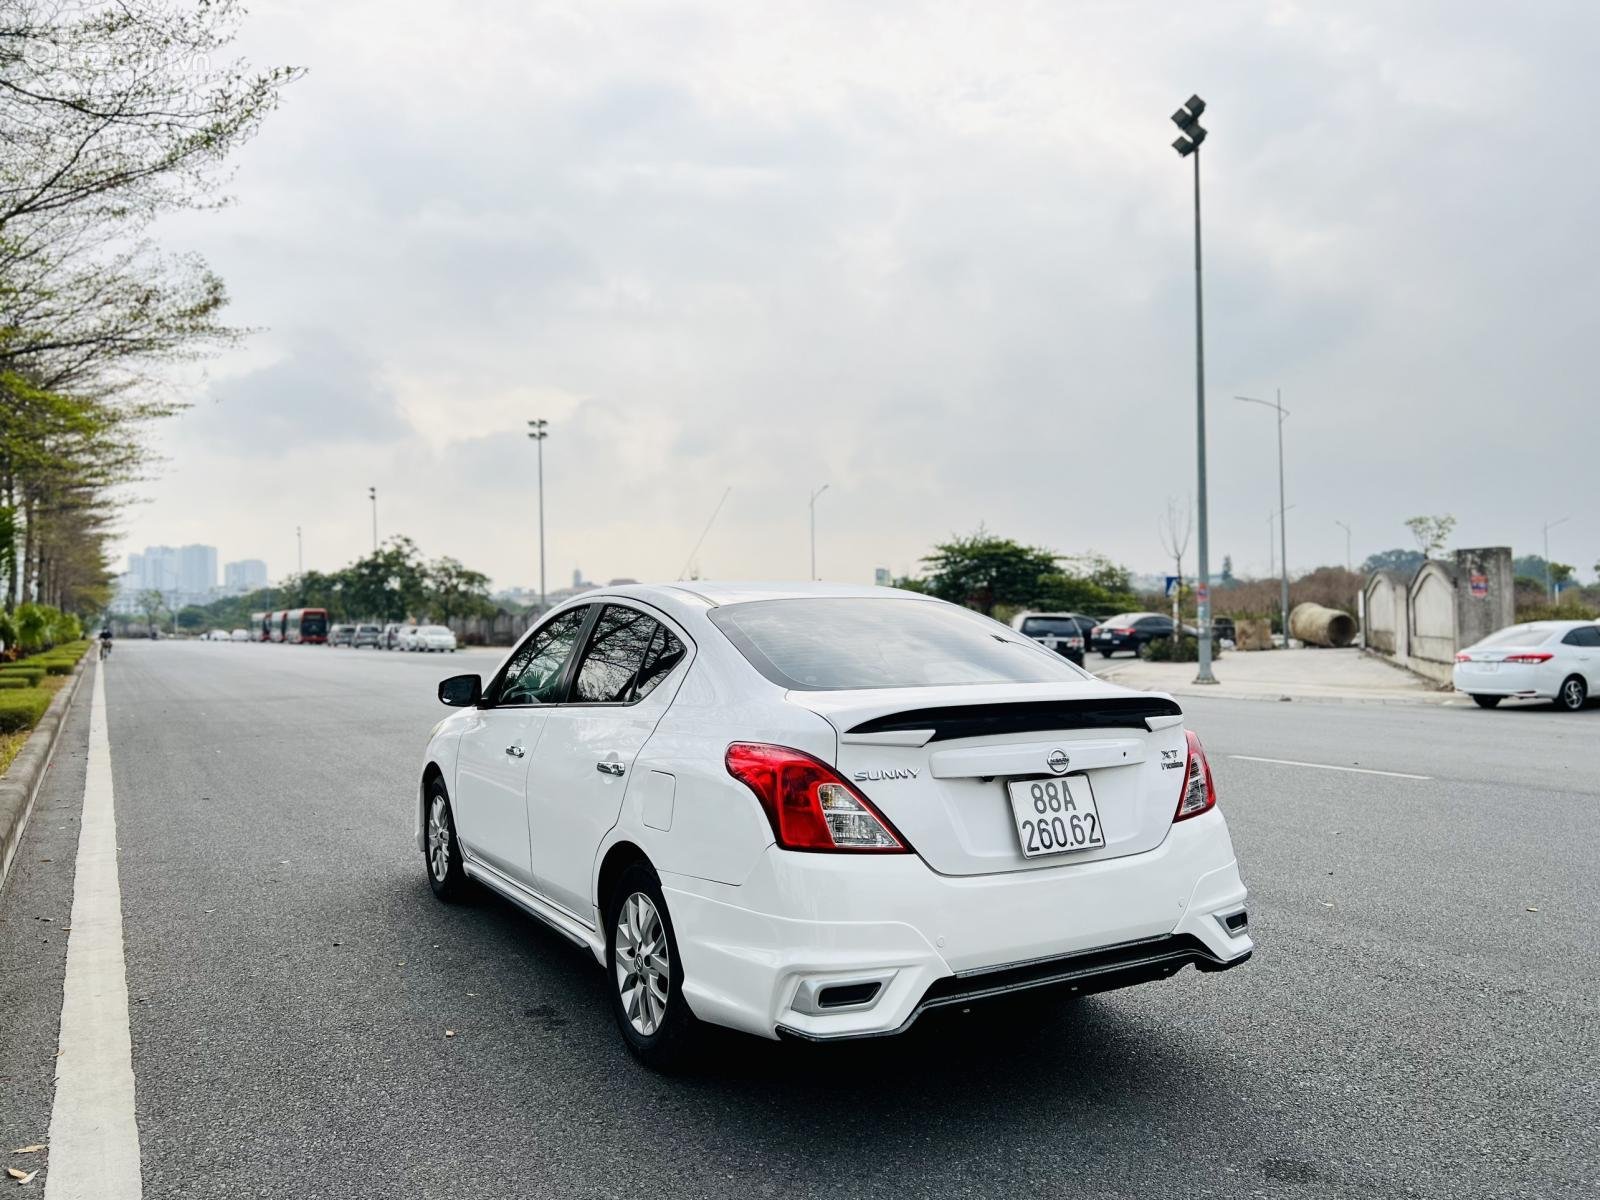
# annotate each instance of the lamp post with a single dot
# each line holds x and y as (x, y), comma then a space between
(1187, 119)
(1549, 579)
(539, 430)
(372, 494)
(814, 496)
(1349, 563)
(299, 552)
(1283, 535)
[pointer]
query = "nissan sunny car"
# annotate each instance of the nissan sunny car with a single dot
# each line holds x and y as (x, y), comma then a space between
(818, 812)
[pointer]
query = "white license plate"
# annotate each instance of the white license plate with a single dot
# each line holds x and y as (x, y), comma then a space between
(1488, 666)
(1055, 816)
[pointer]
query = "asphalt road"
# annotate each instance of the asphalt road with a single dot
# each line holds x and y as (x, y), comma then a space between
(1420, 1017)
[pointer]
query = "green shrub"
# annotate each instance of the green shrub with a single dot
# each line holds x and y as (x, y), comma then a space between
(15, 681)
(22, 709)
(29, 671)
(59, 666)
(1165, 649)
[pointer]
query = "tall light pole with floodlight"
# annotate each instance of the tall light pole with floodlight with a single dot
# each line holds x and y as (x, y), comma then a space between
(1187, 119)
(1549, 578)
(1283, 536)
(1349, 563)
(538, 431)
(372, 494)
(814, 496)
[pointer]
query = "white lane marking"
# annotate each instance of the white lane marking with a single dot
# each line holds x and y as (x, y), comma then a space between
(94, 1140)
(1290, 762)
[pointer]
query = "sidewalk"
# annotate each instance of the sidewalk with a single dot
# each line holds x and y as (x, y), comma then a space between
(1337, 676)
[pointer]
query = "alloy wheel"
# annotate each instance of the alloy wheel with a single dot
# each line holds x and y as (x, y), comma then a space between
(643, 964)
(438, 839)
(1573, 694)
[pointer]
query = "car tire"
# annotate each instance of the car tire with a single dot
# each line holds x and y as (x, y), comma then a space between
(442, 853)
(1486, 701)
(1574, 694)
(651, 1013)
(1107, 653)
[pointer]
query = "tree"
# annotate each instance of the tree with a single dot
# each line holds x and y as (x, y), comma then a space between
(981, 571)
(151, 603)
(191, 616)
(456, 591)
(1176, 526)
(1399, 560)
(1226, 578)
(1431, 533)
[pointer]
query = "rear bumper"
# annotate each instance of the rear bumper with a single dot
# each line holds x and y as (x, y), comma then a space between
(767, 955)
(1533, 680)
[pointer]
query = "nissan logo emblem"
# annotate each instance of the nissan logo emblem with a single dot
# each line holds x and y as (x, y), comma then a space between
(1058, 761)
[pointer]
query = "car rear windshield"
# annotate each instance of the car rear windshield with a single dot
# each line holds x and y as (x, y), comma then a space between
(1520, 635)
(834, 644)
(1049, 627)
(436, 630)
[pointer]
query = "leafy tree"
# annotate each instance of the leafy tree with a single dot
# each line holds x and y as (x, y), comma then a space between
(192, 616)
(1226, 578)
(151, 604)
(1399, 560)
(456, 591)
(1432, 533)
(33, 626)
(389, 584)
(981, 571)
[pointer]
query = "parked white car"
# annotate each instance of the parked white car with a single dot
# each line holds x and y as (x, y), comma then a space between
(239, 635)
(406, 639)
(1541, 660)
(432, 637)
(819, 811)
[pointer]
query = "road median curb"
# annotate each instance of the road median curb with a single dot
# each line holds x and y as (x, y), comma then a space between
(19, 787)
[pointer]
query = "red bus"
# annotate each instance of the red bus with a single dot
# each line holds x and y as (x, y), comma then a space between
(275, 621)
(305, 625)
(260, 630)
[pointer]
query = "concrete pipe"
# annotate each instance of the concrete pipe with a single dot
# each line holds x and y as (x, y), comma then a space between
(1318, 626)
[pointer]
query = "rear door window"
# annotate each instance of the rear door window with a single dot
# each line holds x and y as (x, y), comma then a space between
(614, 657)
(1584, 635)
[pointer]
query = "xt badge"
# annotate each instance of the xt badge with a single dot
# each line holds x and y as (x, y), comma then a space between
(1172, 760)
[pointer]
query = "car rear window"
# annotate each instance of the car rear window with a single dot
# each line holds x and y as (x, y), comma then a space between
(1049, 627)
(1519, 635)
(840, 643)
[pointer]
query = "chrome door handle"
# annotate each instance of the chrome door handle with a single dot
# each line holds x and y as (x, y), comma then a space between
(514, 751)
(610, 768)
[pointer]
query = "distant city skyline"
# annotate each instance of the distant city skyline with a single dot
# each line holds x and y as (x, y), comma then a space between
(184, 575)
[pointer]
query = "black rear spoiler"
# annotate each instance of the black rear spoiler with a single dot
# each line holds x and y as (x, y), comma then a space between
(1033, 716)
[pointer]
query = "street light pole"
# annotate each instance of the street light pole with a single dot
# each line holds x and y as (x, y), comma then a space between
(814, 496)
(1187, 119)
(538, 431)
(372, 494)
(299, 552)
(1549, 578)
(1283, 535)
(1349, 563)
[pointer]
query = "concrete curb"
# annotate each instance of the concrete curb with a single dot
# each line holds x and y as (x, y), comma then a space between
(19, 787)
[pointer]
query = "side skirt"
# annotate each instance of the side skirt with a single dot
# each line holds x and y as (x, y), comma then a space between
(530, 902)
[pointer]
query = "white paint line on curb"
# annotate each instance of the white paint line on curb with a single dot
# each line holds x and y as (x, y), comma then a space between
(1290, 762)
(94, 1140)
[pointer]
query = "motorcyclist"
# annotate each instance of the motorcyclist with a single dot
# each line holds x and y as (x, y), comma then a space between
(105, 641)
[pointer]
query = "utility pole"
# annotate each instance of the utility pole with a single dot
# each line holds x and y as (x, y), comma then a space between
(299, 552)
(1549, 578)
(1349, 563)
(538, 430)
(372, 494)
(1283, 536)
(1187, 119)
(814, 496)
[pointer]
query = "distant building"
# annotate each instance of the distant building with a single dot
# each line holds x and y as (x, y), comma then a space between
(246, 575)
(186, 575)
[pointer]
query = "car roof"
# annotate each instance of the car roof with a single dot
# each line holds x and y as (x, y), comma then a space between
(702, 594)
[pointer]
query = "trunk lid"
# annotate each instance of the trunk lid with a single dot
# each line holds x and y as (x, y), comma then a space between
(936, 762)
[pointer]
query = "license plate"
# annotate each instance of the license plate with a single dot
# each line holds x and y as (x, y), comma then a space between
(1488, 666)
(1055, 816)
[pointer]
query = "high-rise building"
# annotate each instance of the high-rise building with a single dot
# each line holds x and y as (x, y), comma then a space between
(246, 575)
(197, 573)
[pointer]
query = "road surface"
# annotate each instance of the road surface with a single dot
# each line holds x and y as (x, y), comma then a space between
(1420, 1017)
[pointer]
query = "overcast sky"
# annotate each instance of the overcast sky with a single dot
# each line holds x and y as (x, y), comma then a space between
(937, 256)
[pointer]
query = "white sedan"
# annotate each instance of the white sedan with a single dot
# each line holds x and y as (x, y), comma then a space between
(429, 637)
(817, 812)
(1541, 660)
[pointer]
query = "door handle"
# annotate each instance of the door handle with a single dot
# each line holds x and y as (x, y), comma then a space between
(514, 751)
(610, 768)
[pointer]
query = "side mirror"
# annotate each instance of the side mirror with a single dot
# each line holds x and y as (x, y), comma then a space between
(461, 691)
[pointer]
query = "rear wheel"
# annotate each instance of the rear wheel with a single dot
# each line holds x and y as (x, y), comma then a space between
(646, 973)
(1486, 701)
(443, 853)
(1574, 693)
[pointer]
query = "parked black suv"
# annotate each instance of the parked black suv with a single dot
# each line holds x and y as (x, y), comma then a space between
(1129, 631)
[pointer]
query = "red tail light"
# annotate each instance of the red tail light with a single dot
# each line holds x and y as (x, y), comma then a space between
(809, 805)
(1463, 658)
(1529, 656)
(1123, 632)
(1199, 790)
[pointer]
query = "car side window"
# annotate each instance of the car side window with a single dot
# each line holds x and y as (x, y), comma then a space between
(534, 674)
(1584, 635)
(665, 652)
(614, 657)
